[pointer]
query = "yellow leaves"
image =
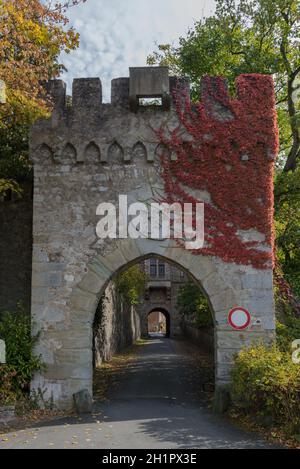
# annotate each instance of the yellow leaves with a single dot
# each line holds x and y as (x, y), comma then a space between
(32, 37)
(8, 184)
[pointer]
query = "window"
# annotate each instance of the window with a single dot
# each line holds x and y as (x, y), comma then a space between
(161, 269)
(153, 267)
(157, 268)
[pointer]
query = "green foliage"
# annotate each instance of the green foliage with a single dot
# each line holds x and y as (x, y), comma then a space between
(287, 333)
(266, 382)
(131, 284)
(193, 305)
(9, 185)
(14, 164)
(287, 224)
(21, 363)
(7, 393)
(33, 35)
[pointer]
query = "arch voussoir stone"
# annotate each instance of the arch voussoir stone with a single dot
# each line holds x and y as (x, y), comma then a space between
(92, 282)
(83, 300)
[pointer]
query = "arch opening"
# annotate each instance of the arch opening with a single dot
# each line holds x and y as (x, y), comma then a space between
(214, 279)
(159, 323)
(121, 321)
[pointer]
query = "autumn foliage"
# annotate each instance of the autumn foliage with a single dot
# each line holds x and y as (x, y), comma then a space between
(32, 35)
(231, 158)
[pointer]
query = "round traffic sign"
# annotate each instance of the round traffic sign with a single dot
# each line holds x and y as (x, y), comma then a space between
(239, 318)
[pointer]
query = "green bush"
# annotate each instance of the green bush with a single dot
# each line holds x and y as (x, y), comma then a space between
(193, 305)
(131, 284)
(7, 394)
(287, 333)
(21, 363)
(266, 382)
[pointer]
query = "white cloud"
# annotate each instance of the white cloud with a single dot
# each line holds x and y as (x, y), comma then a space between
(117, 34)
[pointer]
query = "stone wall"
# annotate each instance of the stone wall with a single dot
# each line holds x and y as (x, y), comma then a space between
(16, 250)
(116, 325)
(202, 337)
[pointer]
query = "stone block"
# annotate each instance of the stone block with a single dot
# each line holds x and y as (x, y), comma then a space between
(153, 246)
(213, 284)
(86, 94)
(130, 250)
(40, 295)
(83, 402)
(201, 267)
(150, 82)
(225, 356)
(78, 337)
(39, 254)
(222, 399)
(113, 260)
(91, 283)
(39, 267)
(261, 280)
(2, 351)
(100, 269)
(79, 356)
(59, 371)
(224, 300)
(120, 92)
(223, 372)
(46, 279)
(2, 92)
(7, 415)
(82, 317)
(231, 339)
(82, 300)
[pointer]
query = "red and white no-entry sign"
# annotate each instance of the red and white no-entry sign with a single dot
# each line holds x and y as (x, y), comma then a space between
(239, 318)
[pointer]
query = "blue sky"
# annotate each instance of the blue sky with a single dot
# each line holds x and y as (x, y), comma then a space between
(117, 34)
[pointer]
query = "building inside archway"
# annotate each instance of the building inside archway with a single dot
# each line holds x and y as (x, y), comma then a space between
(157, 323)
(152, 297)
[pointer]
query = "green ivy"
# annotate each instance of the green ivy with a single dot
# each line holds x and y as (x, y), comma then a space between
(21, 362)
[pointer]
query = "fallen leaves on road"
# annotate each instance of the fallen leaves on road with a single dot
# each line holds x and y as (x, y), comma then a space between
(107, 376)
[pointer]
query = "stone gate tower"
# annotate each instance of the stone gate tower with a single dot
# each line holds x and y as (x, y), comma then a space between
(90, 152)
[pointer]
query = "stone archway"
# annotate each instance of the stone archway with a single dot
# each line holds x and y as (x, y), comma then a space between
(167, 318)
(68, 352)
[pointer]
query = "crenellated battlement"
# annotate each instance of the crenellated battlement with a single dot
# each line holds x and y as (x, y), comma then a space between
(84, 129)
(87, 92)
(144, 83)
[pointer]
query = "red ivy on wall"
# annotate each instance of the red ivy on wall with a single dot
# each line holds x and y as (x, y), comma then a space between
(227, 148)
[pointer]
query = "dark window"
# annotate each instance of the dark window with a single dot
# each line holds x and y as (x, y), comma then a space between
(161, 269)
(153, 267)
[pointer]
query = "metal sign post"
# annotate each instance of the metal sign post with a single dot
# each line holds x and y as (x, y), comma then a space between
(2, 352)
(2, 92)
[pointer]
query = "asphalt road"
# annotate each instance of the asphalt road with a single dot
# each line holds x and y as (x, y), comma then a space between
(156, 405)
